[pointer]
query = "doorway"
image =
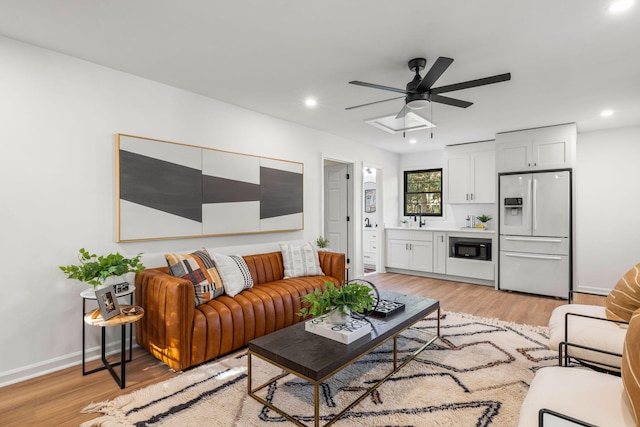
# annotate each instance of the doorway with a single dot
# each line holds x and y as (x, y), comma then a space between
(338, 206)
(370, 219)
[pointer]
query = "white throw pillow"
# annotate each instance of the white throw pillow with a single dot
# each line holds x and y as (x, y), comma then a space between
(234, 272)
(300, 260)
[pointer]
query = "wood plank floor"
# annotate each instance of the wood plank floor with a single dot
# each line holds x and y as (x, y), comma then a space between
(57, 398)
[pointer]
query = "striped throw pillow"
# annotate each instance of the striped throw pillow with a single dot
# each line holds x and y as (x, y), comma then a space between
(198, 268)
(631, 365)
(624, 298)
(300, 260)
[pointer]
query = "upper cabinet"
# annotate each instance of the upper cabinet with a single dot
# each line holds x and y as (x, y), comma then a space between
(552, 147)
(471, 173)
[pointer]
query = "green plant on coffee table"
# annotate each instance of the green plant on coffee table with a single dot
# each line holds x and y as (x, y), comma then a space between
(321, 242)
(351, 297)
(483, 218)
(94, 269)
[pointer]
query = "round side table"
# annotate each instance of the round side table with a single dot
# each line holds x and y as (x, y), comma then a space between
(94, 318)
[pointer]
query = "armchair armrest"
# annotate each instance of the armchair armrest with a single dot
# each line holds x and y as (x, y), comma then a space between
(551, 418)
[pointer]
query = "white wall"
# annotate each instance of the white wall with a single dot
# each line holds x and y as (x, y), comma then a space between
(57, 174)
(607, 180)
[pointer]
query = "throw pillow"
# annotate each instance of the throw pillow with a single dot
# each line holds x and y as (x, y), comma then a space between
(235, 273)
(198, 268)
(300, 260)
(624, 298)
(631, 365)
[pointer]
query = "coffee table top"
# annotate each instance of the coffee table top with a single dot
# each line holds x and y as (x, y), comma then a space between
(317, 357)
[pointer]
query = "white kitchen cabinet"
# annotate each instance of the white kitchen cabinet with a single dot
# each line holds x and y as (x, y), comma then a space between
(410, 250)
(370, 247)
(440, 252)
(552, 147)
(471, 173)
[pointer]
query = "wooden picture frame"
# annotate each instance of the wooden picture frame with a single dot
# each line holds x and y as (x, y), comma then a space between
(108, 302)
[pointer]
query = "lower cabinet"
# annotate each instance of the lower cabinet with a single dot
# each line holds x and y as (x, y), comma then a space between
(410, 250)
(440, 252)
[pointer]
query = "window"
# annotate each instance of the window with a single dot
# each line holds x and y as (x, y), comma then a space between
(423, 192)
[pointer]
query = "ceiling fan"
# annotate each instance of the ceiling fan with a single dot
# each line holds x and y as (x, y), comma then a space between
(419, 92)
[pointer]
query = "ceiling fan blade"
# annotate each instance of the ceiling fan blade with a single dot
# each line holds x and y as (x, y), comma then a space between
(403, 112)
(450, 101)
(375, 102)
(472, 83)
(436, 70)
(392, 89)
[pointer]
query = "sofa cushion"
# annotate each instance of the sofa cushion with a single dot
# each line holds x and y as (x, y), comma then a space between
(199, 269)
(234, 272)
(593, 333)
(300, 260)
(624, 298)
(631, 365)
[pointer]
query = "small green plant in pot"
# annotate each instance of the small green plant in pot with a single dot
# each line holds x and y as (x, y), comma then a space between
(351, 297)
(483, 220)
(322, 243)
(94, 269)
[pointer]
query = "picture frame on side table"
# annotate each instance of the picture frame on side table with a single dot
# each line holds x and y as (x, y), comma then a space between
(108, 302)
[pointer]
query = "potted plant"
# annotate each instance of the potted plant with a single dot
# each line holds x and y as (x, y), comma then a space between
(483, 220)
(94, 269)
(322, 243)
(338, 303)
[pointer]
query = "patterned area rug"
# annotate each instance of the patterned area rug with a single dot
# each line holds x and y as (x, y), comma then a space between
(477, 374)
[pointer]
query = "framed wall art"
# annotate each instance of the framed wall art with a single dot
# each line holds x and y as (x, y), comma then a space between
(171, 190)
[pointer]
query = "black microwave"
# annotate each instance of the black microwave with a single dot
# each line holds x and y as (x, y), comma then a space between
(472, 250)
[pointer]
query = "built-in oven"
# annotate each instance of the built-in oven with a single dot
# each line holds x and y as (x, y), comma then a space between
(472, 250)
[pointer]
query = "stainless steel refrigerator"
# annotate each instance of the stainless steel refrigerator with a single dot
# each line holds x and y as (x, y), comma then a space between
(535, 233)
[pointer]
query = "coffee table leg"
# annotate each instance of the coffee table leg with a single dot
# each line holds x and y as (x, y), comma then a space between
(249, 373)
(316, 404)
(395, 353)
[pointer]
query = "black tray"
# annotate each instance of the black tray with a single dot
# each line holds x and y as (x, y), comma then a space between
(387, 308)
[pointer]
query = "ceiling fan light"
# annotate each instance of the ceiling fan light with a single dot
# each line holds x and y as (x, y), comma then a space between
(417, 104)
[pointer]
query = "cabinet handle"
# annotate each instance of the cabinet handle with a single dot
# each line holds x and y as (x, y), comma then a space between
(471, 196)
(467, 196)
(442, 239)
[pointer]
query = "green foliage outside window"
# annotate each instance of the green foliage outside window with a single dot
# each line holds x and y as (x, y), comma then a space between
(423, 192)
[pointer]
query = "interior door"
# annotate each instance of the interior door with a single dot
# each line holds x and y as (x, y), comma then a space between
(336, 207)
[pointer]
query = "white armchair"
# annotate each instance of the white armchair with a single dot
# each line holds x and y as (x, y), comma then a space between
(571, 396)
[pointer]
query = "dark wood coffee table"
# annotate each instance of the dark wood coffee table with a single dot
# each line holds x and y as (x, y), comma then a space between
(315, 358)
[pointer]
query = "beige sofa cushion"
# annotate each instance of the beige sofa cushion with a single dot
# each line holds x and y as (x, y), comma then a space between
(624, 298)
(584, 394)
(631, 365)
(592, 333)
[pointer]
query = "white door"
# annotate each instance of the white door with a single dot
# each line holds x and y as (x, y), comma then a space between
(336, 207)
(551, 204)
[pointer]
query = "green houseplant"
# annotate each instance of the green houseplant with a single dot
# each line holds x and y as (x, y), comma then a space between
(322, 243)
(94, 269)
(483, 219)
(351, 297)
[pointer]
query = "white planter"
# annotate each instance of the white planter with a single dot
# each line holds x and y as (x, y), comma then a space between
(335, 317)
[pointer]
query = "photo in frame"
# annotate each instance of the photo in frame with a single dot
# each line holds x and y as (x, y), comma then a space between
(108, 302)
(370, 200)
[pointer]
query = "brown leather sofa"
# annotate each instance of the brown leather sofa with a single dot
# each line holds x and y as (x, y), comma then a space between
(182, 335)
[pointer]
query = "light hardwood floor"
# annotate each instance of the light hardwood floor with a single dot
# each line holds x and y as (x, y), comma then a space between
(56, 399)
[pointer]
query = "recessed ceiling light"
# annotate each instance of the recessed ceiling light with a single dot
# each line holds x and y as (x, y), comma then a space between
(412, 141)
(310, 102)
(620, 6)
(606, 113)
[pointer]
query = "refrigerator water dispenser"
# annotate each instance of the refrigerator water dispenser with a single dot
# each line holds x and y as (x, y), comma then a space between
(512, 215)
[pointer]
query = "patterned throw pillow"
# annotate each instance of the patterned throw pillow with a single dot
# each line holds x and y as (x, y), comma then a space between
(198, 268)
(300, 260)
(235, 273)
(631, 365)
(624, 299)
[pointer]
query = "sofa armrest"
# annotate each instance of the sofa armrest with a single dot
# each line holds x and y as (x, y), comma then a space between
(551, 418)
(573, 292)
(333, 264)
(169, 304)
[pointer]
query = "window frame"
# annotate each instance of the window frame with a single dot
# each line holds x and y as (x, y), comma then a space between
(407, 173)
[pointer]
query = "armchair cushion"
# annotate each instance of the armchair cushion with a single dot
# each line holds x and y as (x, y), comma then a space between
(624, 298)
(593, 333)
(583, 394)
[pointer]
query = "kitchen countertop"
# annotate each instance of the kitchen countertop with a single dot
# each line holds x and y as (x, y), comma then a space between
(447, 229)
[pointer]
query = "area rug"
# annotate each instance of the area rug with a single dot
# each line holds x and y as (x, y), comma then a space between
(476, 374)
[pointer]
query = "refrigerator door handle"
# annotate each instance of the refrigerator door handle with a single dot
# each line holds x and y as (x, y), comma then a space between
(535, 239)
(520, 255)
(534, 218)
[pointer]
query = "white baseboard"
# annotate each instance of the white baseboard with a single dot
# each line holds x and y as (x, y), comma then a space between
(56, 364)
